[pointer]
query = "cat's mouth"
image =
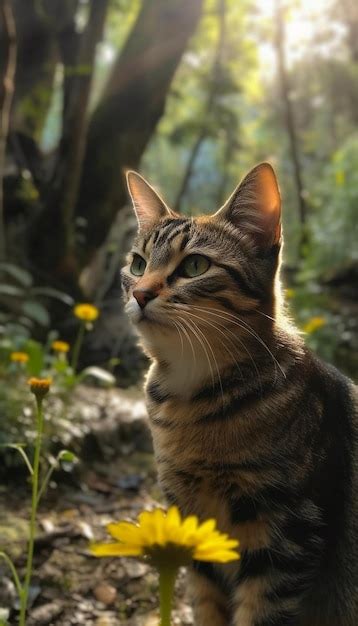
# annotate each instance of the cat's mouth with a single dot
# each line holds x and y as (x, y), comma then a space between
(143, 316)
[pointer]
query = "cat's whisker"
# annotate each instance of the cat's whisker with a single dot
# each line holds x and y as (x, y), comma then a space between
(265, 315)
(194, 329)
(214, 358)
(235, 319)
(237, 339)
(216, 327)
(184, 330)
(180, 336)
(232, 343)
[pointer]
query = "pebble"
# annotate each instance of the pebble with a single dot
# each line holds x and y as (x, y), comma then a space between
(105, 593)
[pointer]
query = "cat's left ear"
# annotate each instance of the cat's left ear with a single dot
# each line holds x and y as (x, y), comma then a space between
(147, 203)
(255, 207)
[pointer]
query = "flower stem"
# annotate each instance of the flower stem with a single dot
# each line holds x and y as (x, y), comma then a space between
(34, 502)
(77, 346)
(167, 576)
(12, 568)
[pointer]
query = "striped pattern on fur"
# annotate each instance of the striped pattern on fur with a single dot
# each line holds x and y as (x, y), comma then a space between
(248, 426)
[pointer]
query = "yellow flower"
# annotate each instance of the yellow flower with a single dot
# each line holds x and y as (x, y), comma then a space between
(60, 346)
(86, 312)
(340, 178)
(314, 324)
(40, 386)
(19, 357)
(166, 537)
(289, 293)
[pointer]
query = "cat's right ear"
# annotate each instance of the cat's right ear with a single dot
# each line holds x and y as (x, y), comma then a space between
(148, 205)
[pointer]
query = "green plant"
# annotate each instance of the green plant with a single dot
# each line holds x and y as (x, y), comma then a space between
(39, 387)
(21, 301)
(168, 542)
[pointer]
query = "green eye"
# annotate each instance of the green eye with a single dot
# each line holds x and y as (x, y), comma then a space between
(194, 265)
(138, 265)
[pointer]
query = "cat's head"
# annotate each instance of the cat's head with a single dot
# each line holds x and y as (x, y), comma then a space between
(191, 276)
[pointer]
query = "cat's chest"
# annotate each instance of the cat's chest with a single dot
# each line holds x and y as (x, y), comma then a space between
(199, 467)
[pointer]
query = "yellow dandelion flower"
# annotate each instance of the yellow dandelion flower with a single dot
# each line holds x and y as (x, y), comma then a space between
(290, 293)
(60, 346)
(86, 312)
(39, 386)
(19, 357)
(166, 537)
(340, 178)
(314, 324)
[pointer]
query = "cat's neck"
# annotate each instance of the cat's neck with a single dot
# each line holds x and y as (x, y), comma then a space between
(183, 369)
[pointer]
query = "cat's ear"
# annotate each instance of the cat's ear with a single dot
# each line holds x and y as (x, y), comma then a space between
(255, 206)
(148, 205)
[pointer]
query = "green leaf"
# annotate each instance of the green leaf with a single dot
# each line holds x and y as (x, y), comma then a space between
(11, 290)
(35, 351)
(66, 456)
(99, 374)
(53, 293)
(36, 312)
(20, 275)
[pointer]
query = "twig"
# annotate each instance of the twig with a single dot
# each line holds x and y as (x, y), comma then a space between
(8, 87)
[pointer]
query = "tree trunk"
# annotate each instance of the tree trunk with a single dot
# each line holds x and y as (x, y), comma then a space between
(289, 119)
(130, 110)
(54, 236)
(78, 53)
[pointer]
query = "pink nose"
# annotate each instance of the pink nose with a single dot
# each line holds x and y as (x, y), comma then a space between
(143, 296)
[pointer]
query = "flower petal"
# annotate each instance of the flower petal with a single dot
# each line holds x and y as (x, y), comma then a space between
(125, 531)
(115, 549)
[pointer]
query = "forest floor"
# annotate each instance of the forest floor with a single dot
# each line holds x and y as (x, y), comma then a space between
(115, 480)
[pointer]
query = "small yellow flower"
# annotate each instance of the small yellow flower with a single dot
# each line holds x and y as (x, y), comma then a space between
(290, 293)
(340, 178)
(314, 324)
(40, 386)
(86, 312)
(166, 537)
(19, 357)
(60, 346)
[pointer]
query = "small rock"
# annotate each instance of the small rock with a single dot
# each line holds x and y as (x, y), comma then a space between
(130, 482)
(106, 620)
(105, 593)
(134, 569)
(7, 592)
(45, 614)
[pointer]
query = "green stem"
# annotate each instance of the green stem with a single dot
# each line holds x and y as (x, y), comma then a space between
(12, 568)
(77, 346)
(167, 576)
(34, 501)
(20, 449)
(45, 483)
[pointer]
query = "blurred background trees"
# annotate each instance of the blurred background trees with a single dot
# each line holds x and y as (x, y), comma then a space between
(193, 93)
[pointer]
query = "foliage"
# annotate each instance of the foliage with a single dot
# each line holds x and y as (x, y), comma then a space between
(21, 357)
(40, 388)
(334, 225)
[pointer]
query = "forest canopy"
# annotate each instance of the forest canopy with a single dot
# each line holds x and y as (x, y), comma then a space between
(192, 94)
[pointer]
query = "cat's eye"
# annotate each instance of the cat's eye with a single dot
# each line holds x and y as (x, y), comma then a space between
(194, 265)
(138, 265)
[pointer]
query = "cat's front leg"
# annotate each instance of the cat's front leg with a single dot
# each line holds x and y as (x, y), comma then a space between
(210, 603)
(255, 606)
(272, 588)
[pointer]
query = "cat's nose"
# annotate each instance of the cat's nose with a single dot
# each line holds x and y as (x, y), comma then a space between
(143, 296)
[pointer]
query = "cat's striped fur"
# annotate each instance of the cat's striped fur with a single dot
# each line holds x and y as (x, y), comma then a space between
(248, 426)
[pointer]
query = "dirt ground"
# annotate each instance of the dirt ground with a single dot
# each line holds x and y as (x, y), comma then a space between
(115, 480)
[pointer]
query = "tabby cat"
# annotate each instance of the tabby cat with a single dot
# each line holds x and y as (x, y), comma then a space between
(248, 425)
